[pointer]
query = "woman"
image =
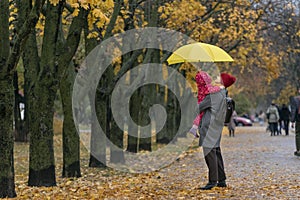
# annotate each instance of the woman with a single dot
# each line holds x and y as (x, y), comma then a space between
(210, 128)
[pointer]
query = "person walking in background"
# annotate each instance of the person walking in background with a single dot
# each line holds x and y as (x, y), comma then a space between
(273, 117)
(227, 80)
(295, 118)
(279, 123)
(285, 117)
(261, 118)
(231, 124)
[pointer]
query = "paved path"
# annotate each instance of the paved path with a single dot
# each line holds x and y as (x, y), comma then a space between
(257, 165)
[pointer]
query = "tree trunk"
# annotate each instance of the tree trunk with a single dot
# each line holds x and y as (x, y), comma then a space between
(116, 134)
(8, 63)
(7, 182)
(21, 125)
(157, 93)
(7, 177)
(116, 150)
(183, 133)
(71, 142)
(41, 157)
(148, 92)
(98, 140)
(144, 120)
(31, 65)
(98, 143)
(162, 136)
(132, 141)
(172, 124)
(186, 122)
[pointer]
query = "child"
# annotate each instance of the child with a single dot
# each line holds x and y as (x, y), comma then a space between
(203, 81)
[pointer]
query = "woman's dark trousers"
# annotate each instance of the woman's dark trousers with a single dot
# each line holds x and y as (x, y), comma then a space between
(215, 164)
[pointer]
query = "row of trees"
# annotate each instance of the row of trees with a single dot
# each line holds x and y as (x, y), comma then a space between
(49, 39)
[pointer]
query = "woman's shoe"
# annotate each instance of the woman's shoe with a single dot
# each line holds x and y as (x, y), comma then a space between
(208, 186)
(297, 153)
(222, 184)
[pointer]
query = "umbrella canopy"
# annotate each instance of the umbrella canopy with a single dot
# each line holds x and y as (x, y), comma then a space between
(199, 52)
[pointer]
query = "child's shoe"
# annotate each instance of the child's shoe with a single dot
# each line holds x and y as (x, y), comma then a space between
(194, 131)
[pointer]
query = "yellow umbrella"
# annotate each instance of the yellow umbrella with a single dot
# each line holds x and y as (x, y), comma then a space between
(199, 52)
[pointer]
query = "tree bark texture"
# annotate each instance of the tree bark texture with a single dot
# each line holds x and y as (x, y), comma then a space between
(31, 65)
(144, 120)
(98, 142)
(71, 142)
(132, 141)
(116, 134)
(21, 125)
(7, 182)
(7, 185)
(41, 157)
(134, 106)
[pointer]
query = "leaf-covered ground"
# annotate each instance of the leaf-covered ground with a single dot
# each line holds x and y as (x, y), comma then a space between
(258, 167)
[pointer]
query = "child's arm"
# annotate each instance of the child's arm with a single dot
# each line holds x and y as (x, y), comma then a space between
(205, 104)
(197, 120)
(196, 123)
(194, 129)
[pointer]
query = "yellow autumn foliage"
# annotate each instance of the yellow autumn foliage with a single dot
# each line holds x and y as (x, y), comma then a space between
(54, 2)
(227, 25)
(98, 18)
(286, 93)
